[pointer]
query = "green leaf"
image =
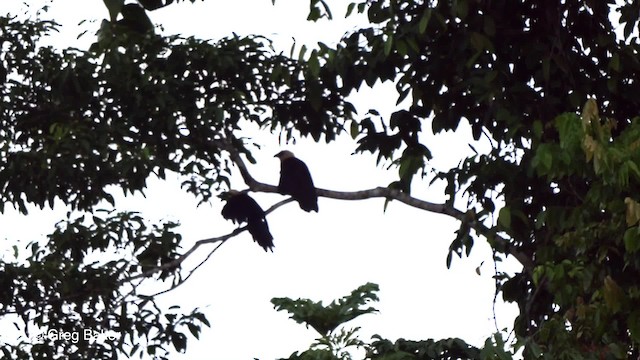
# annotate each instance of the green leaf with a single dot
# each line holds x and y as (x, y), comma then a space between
(194, 330)
(135, 18)
(424, 20)
(303, 51)
(354, 129)
(462, 8)
(477, 41)
(614, 63)
(314, 14)
(632, 212)
(401, 46)
(114, 7)
(327, 9)
(613, 294)
(388, 44)
(504, 217)
(634, 168)
(314, 64)
(350, 8)
(546, 159)
(631, 240)
(537, 129)
(153, 4)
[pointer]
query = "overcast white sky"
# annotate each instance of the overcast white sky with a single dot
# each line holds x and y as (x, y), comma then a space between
(319, 256)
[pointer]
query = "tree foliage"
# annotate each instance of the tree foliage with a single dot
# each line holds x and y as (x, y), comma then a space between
(558, 190)
(80, 124)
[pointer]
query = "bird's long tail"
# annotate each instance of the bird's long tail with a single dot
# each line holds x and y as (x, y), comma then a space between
(259, 229)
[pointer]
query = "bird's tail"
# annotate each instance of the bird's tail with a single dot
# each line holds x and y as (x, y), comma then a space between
(259, 229)
(309, 206)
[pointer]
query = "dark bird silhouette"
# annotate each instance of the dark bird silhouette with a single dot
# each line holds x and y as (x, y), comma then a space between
(241, 208)
(295, 180)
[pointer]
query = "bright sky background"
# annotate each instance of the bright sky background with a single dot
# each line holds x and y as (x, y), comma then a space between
(320, 256)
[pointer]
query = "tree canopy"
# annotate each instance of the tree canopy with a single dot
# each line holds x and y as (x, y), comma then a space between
(552, 84)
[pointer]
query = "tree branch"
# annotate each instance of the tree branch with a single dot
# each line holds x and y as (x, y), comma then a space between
(379, 192)
(391, 194)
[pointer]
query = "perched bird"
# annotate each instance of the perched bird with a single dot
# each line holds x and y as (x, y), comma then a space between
(295, 180)
(240, 208)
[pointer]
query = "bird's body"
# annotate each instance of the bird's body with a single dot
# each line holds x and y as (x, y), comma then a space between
(241, 208)
(295, 180)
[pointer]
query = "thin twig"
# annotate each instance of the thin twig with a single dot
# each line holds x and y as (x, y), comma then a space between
(180, 282)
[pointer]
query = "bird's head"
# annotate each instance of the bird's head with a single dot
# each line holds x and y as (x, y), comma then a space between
(229, 194)
(284, 154)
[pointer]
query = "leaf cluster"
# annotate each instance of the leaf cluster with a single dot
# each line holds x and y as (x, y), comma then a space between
(325, 319)
(68, 285)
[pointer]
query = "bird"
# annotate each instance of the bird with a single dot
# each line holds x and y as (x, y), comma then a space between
(240, 208)
(295, 180)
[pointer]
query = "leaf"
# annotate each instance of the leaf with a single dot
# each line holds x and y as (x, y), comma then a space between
(179, 341)
(589, 114)
(303, 51)
(537, 129)
(613, 294)
(325, 319)
(424, 20)
(462, 8)
(114, 7)
(194, 330)
(350, 8)
(590, 146)
(314, 64)
(633, 167)
(632, 213)
(327, 10)
(477, 41)
(504, 217)
(136, 19)
(354, 129)
(545, 158)
(314, 14)
(614, 63)
(388, 44)
(386, 203)
(153, 4)
(631, 240)
(401, 46)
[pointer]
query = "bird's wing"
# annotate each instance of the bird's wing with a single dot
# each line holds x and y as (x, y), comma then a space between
(240, 208)
(295, 176)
